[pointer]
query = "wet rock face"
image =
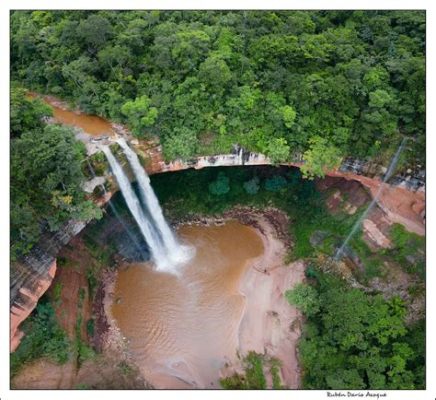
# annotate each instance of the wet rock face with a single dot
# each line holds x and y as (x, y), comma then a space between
(402, 199)
(31, 276)
(413, 180)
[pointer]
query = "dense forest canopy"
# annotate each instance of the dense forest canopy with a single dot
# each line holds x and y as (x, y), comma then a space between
(46, 174)
(334, 83)
(374, 349)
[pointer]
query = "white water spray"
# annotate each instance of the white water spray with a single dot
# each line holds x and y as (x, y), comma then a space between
(388, 174)
(176, 252)
(117, 214)
(157, 251)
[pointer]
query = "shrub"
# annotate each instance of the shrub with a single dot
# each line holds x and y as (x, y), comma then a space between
(43, 337)
(220, 186)
(252, 186)
(275, 183)
(304, 297)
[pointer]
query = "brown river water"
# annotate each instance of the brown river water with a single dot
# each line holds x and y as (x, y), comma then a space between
(182, 330)
(91, 124)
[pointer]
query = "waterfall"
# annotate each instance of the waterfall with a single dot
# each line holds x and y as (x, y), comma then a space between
(388, 174)
(241, 156)
(175, 252)
(117, 215)
(157, 251)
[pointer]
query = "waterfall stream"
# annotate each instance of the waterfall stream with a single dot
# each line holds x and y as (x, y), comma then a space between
(175, 251)
(388, 174)
(157, 251)
(165, 250)
(118, 216)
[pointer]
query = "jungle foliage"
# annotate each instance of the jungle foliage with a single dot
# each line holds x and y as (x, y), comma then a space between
(46, 175)
(357, 340)
(43, 338)
(255, 365)
(282, 83)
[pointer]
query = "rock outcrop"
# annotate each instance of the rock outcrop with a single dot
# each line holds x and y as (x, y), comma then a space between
(32, 275)
(29, 296)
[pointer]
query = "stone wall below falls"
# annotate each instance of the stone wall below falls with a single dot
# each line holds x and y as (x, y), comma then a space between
(402, 198)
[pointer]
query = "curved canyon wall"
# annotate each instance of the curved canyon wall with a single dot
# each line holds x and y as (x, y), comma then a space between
(403, 201)
(402, 198)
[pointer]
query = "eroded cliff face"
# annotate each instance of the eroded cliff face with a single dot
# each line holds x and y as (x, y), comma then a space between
(27, 299)
(401, 204)
(32, 275)
(402, 199)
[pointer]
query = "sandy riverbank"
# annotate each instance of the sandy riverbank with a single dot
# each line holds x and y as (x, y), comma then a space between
(269, 324)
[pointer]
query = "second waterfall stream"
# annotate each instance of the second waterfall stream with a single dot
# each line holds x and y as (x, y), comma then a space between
(166, 251)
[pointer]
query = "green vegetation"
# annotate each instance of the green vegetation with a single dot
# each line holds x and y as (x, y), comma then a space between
(46, 177)
(305, 297)
(42, 338)
(352, 339)
(320, 83)
(26, 114)
(320, 157)
(220, 186)
(254, 377)
(139, 114)
(125, 368)
(212, 191)
(98, 163)
(357, 340)
(82, 386)
(408, 250)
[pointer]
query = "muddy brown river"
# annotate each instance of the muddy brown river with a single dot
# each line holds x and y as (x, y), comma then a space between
(182, 330)
(91, 124)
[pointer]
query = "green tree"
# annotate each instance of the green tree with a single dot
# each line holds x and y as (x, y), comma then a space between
(305, 298)
(275, 183)
(214, 72)
(43, 337)
(181, 144)
(253, 377)
(356, 78)
(277, 150)
(370, 351)
(252, 185)
(46, 178)
(220, 186)
(140, 115)
(379, 98)
(289, 115)
(26, 113)
(320, 158)
(94, 31)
